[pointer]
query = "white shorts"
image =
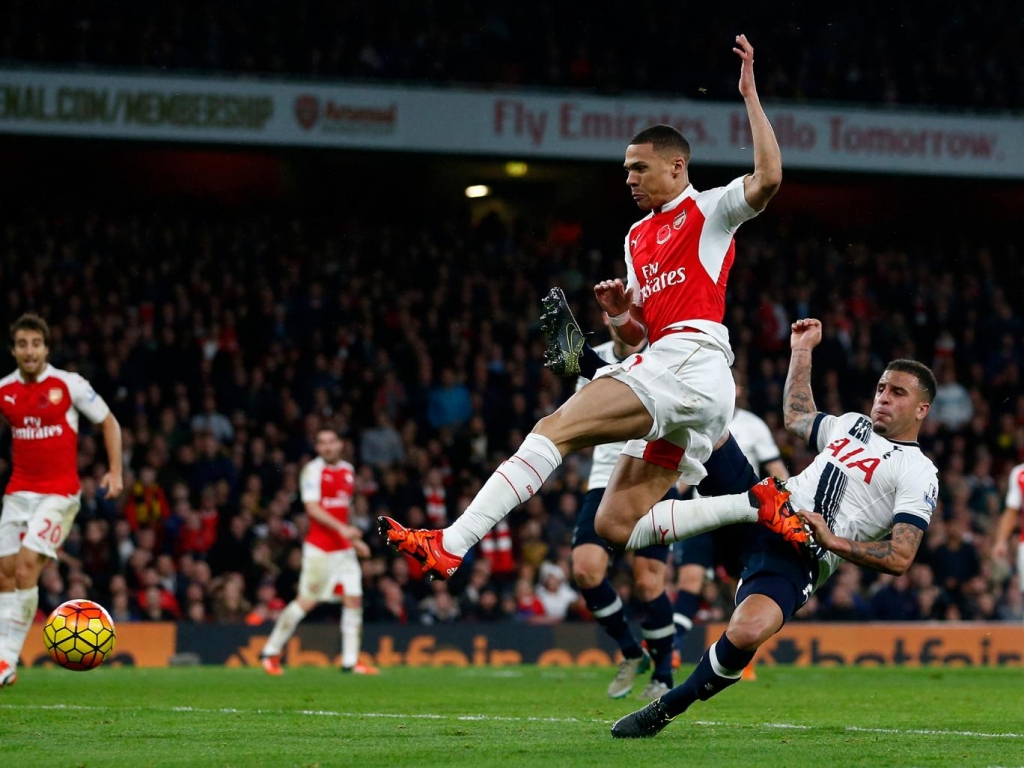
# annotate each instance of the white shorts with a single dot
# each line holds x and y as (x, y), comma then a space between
(687, 387)
(37, 521)
(328, 576)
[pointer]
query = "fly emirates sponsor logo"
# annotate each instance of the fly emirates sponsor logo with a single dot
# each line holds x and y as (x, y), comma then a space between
(33, 429)
(656, 281)
(336, 502)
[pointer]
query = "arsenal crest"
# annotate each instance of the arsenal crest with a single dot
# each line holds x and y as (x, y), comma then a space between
(679, 220)
(56, 395)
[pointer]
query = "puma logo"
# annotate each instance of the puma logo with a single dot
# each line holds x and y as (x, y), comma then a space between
(10, 398)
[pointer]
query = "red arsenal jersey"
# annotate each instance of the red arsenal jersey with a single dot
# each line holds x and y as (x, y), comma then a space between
(331, 485)
(43, 416)
(678, 260)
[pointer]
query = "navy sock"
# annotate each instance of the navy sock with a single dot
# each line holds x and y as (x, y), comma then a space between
(719, 667)
(728, 471)
(606, 605)
(683, 610)
(590, 361)
(659, 631)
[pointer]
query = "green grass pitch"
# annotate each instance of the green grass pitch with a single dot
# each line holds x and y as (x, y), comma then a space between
(526, 716)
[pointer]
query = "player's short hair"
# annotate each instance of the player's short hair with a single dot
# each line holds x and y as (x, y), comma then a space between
(330, 428)
(664, 138)
(925, 377)
(30, 321)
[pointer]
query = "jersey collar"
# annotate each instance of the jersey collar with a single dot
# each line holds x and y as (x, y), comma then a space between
(688, 192)
(42, 374)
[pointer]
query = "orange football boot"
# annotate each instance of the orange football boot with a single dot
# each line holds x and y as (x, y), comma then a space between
(775, 512)
(272, 664)
(8, 674)
(426, 546)
(361, 669)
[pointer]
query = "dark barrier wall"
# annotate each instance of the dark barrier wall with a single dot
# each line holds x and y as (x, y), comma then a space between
(502, 644)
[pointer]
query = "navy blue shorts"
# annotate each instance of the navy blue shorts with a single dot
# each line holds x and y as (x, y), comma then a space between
(711, 549)
(584, 532)
(773, 567)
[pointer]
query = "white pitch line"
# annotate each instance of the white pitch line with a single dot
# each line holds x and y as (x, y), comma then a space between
(506, 719)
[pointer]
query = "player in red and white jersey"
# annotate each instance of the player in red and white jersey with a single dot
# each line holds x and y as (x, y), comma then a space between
(672, 403)
(330, 566)
(1013, 516)
(41, 405)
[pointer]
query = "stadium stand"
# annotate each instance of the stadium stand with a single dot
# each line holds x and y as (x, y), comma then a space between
(221, 336)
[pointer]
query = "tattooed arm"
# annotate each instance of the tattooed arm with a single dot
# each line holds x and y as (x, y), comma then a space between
(893, 555)
(798, 407)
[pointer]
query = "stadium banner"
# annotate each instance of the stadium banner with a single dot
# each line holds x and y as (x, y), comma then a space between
(516, 124)
(923, 644)
(136, 644)
(560, 645)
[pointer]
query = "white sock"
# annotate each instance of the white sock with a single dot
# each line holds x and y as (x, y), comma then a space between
(8, 607)
(284, 628)
(351, 635)
(515, 481)
(26, 602)
(670, 521)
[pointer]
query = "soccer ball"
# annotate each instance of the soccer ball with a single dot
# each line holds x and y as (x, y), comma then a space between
(79, 635)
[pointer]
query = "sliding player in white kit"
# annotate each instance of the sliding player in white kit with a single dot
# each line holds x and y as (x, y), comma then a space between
(330, 566)
(870, 480)
(42, 404)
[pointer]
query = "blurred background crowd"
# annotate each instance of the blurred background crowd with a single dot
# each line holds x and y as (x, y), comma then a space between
(954, 55)
(222, 336)
(236, 335)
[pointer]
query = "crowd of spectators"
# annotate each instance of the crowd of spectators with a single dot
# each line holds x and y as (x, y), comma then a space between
(222, 338)
(953, 55)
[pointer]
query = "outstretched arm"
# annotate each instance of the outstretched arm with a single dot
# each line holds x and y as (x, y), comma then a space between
(760, 186)
(798, 407)
(893, 556)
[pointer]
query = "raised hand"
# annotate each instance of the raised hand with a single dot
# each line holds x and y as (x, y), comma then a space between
(806, 333)
(745, 51)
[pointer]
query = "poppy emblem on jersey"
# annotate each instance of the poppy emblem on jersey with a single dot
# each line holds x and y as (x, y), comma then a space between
(679, 220)
(664, 234)
(56, 395)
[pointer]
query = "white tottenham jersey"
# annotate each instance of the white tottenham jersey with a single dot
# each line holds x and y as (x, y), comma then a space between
(754, 438)
(862, 483)
(605, 456)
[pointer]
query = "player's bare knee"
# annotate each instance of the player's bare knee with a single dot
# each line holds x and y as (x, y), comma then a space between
(648, 578)
(690, 578)
(611, 530)
(749, 631)
(589, 565)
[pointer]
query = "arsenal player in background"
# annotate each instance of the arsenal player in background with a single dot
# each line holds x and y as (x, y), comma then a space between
(42, 405)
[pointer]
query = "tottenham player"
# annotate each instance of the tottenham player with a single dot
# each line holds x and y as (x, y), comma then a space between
(674, 401)
(330, 566)
(870, 480)
(590, 559)
(41, 404)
